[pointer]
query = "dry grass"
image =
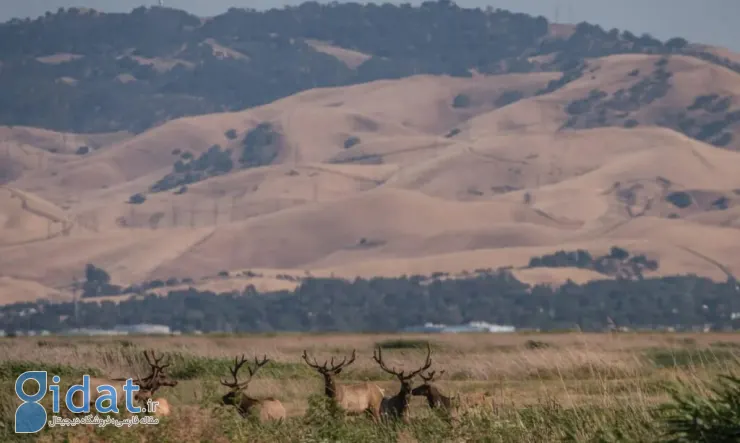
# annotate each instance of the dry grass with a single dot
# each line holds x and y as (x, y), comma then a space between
(517, 186)
(534, 378)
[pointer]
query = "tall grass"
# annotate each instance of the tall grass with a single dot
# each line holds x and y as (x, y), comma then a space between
(512, 388)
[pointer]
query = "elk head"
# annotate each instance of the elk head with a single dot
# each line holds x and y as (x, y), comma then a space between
(428, 390)
(233, 397)
(329, 369)
(156, 379)
(402, 376)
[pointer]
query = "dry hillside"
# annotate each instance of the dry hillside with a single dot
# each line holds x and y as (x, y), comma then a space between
(412, 176)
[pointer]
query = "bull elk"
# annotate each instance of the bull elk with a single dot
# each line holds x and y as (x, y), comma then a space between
(151, 384)
(147, 385)
(435, 398)
(397, 406)
(354, 398)
(269, 408)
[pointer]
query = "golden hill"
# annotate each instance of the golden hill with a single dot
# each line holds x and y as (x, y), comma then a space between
(413, 176)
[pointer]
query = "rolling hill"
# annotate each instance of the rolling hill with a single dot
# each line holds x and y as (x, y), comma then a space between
(421, 174)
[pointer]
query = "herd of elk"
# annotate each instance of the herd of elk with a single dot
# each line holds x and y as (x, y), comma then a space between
(352, 399)
(267, 408)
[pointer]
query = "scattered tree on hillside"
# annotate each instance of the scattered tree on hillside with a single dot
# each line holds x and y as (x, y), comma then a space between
(215, 161)
(137, 199)
(617, 263)
(260, 146)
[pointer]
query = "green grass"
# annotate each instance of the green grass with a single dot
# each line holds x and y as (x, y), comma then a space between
(11, 369)
(188, 367)
(402, 343)
(691, 358)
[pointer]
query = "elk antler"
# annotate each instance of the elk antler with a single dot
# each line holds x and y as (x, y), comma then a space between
(152, 382)
(429, 376)
(378, 357)
(325, 367)
(238, 363)
(156, 364)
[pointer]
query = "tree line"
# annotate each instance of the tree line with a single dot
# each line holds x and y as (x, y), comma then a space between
(390, 304)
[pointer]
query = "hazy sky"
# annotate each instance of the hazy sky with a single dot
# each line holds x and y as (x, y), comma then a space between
(700, 21)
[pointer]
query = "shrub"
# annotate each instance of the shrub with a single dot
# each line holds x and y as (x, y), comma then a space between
(508, 97)
(631, 123)
(694, 418)
(137, 199)
(461, 101)
(351, 141)
(536, 344)
(402, 343)
(680, 199)
(721, 203)
(259, 147)
(230, 134)
(453, 132)
(82, 150)
(618, 253)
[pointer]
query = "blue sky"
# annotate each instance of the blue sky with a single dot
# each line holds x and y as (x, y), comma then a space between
(701, 21)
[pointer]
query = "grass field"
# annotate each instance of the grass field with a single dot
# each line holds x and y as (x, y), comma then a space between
(511, 387)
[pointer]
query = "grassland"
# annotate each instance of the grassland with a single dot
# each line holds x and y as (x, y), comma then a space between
(511, 388)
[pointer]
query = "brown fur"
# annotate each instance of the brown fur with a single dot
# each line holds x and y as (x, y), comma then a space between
(163, 407)
(267, 409)
(397, 406)
(434, 396)
(353, 399)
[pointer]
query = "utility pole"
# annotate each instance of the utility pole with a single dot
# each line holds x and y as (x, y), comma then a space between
(215, 212)
(75, 291)
(192, 214)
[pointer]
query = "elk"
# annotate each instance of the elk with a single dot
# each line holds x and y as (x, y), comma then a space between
(397, 406)
(162, 408)
(354, 398)
(151, 384)
(147, 385)
(269, 408)
(434, 397)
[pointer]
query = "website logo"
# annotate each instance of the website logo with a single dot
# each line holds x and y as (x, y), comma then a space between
(31, 416)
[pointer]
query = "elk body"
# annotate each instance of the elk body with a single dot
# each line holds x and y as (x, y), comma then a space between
(397, 406)
(268, 409)
(147, 386)
(435, 398)
(353, 398)
(162, 408)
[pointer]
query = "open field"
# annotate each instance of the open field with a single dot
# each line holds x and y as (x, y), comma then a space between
(509, 387)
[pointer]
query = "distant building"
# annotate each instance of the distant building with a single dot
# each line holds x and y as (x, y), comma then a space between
(473, 326)
(143, 329)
